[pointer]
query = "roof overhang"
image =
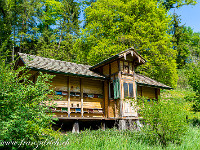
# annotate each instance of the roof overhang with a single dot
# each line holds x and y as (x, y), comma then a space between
(66, 73)
(155, 86)
(124, 54)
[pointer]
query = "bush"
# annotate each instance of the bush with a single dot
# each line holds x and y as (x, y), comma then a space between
(195, 99)
(193, 73)
(22, 109)
(164, 120)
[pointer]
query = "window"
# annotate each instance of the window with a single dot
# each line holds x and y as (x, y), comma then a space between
(125, 90)
(128, 89)
(111, 91)
(126, 69)
(114, 89)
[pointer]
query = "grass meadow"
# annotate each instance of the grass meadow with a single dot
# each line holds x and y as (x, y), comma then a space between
(113, 139)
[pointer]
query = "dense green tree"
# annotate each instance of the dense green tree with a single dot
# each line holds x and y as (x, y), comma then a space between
(61, 30)
(169, 4)
(181, 41)
(193, 74)
(23, 110)
(113, 26)
(44, 27)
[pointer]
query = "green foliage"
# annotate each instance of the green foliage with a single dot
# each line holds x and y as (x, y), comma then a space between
(23, 108)
(44, 27)
(181, 41)
(195, 101)
(183, 79)
(169, 4)
(193, 70)
(193, 73)
(185, 42)
(113, 26)
(164, 120)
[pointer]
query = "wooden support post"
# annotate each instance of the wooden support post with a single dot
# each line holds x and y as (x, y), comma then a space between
(121, 95)
(122, 125)
(103, 125)
(106, 98)
(81, 91)
(75, 128)
(104, 103)
(134, 85)
(68, 95)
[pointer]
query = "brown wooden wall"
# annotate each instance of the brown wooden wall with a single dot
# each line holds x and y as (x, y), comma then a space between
(102, 107)
(91, 106)
(123, 64)
(150, 92)
(117, 69)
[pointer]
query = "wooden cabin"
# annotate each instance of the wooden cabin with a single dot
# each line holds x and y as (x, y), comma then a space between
(96, 92)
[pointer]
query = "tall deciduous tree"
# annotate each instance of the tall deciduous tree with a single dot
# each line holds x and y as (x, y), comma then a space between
(114, 25)
(176, 3)
(181, 41)
(44, 27)
(59, 27)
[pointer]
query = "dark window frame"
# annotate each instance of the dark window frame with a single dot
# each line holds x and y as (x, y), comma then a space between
(128, 90)
(111, 90)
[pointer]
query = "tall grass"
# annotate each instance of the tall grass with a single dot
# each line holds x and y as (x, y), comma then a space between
(191, 141)
(105, 140)
(126, 140)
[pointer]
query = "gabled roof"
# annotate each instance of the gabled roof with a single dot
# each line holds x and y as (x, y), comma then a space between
(146, 81)
(57, 66)
(120, 55)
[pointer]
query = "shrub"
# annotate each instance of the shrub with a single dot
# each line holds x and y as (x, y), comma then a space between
(22, 109)
(164, 120)
(193, 73)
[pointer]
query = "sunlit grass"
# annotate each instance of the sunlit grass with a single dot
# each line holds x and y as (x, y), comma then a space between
(114, 139)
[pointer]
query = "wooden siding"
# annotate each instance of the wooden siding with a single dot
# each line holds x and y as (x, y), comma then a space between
(78, 105)
(114, 67)
(130, 65)
(74, 84)
(149, 92)
(92, 86)
(59, 82)
(139, 90)
(111, 108)
(106, 70)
